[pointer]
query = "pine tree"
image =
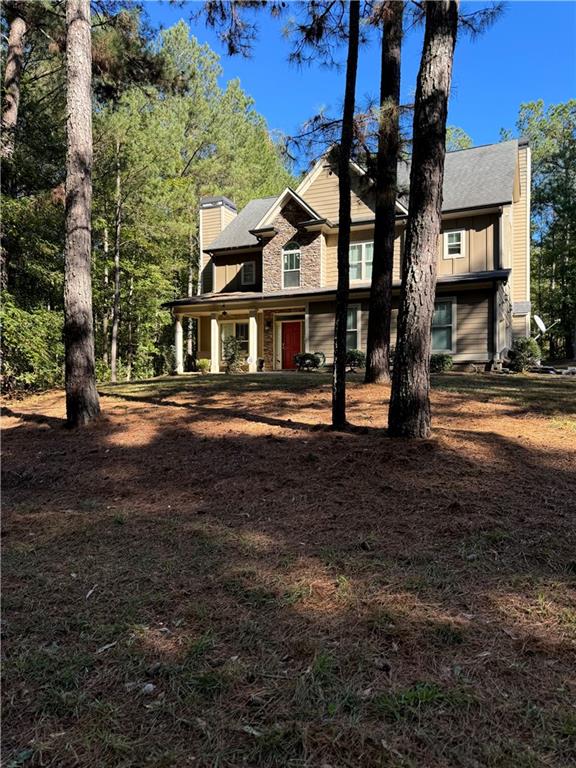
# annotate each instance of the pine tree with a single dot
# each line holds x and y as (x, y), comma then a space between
(344, 222)
(82, 403)
(380, 309)
(409, 414)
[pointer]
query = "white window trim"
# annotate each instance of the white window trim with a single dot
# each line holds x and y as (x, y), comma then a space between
(358, 308)
(299, 270)
(462, 233)
(243, 280)
(363, 243)
(454, 327)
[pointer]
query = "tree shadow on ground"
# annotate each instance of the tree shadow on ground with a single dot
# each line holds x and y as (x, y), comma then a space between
(294, 597)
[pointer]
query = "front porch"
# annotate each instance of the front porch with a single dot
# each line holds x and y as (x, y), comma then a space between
(268, 338)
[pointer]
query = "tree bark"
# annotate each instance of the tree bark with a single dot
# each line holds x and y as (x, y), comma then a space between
(190, 324)
(345, 149)
(12, 75)
(130, 350)
(82, 403)
(116, 301)
(106, 313)
(380, 309)
(409, 414)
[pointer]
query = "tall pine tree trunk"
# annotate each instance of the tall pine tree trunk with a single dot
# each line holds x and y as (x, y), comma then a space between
(345, 149)
(116, 300)
(106, 312)
(190, 328)
(12, 75)
(130, 350)
(380, 310)
(409, 414)
(82, 404)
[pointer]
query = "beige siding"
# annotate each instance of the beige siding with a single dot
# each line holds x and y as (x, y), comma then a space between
(322, 195)
(481, 242)
(520, 251)
(473, 326)
(227, 216)
(227, 272)
(210, 228)
(506, 237)
(212, 222)
(321, 328)
(330, 265)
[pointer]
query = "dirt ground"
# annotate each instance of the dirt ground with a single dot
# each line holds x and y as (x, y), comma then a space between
(208, 576)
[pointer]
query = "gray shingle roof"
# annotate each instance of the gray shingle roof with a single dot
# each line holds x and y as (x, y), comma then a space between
(237, 233)
(475, 177)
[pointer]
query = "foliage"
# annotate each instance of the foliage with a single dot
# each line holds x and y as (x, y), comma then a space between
(203, 365)
(32, 347)
(232, 354)
(551, 131)
(525, 353)
(176, 136)
(441, 362)
(457, 138)
(308, 361)
(355, 358)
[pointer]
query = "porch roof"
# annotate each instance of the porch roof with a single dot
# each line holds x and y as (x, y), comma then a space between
(204, 302)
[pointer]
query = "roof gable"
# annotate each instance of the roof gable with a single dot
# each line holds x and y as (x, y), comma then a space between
(288, 194)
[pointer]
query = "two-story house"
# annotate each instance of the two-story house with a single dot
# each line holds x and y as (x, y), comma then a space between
(269, 272)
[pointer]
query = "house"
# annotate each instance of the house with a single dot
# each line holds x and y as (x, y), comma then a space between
(268, 273)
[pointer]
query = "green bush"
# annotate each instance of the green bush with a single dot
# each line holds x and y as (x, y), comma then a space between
(32, 347)
(355, 358)
(524, 354)
(309, 361)
(441, 362)
(203, 365)
(232, 354)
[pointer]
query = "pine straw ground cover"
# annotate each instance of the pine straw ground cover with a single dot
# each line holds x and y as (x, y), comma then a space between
(209, 577)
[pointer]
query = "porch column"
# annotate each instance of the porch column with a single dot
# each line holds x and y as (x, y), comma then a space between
(178, 340)
(214, 345)
(252, 343)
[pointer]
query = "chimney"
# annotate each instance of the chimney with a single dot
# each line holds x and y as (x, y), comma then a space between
(215, 215)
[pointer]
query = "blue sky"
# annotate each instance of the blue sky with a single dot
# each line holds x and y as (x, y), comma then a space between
(528, 54)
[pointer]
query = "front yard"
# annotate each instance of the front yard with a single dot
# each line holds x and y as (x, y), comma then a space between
(209, 576)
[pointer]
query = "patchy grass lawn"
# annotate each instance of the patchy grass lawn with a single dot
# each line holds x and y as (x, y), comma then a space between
(209, 577)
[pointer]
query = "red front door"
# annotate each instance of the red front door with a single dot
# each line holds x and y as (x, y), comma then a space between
(291, 333)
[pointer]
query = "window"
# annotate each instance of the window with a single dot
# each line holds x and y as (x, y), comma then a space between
(239, 330)
(248, 273)
(352, 328)
(291, 266)
(454, 244)
(361, 255)
(443, 330)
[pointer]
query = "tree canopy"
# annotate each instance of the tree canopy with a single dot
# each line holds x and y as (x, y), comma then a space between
(174, 134)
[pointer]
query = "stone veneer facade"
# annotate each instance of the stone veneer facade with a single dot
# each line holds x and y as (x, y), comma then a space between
(286, 224)
(268, 340)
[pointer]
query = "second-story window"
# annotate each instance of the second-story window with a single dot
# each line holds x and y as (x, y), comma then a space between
(248, 273)
(291, 266)
(454, 244)
(361, 255)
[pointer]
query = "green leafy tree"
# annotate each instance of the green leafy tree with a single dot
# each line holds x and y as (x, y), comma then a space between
(551, 131)
(457, 138)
